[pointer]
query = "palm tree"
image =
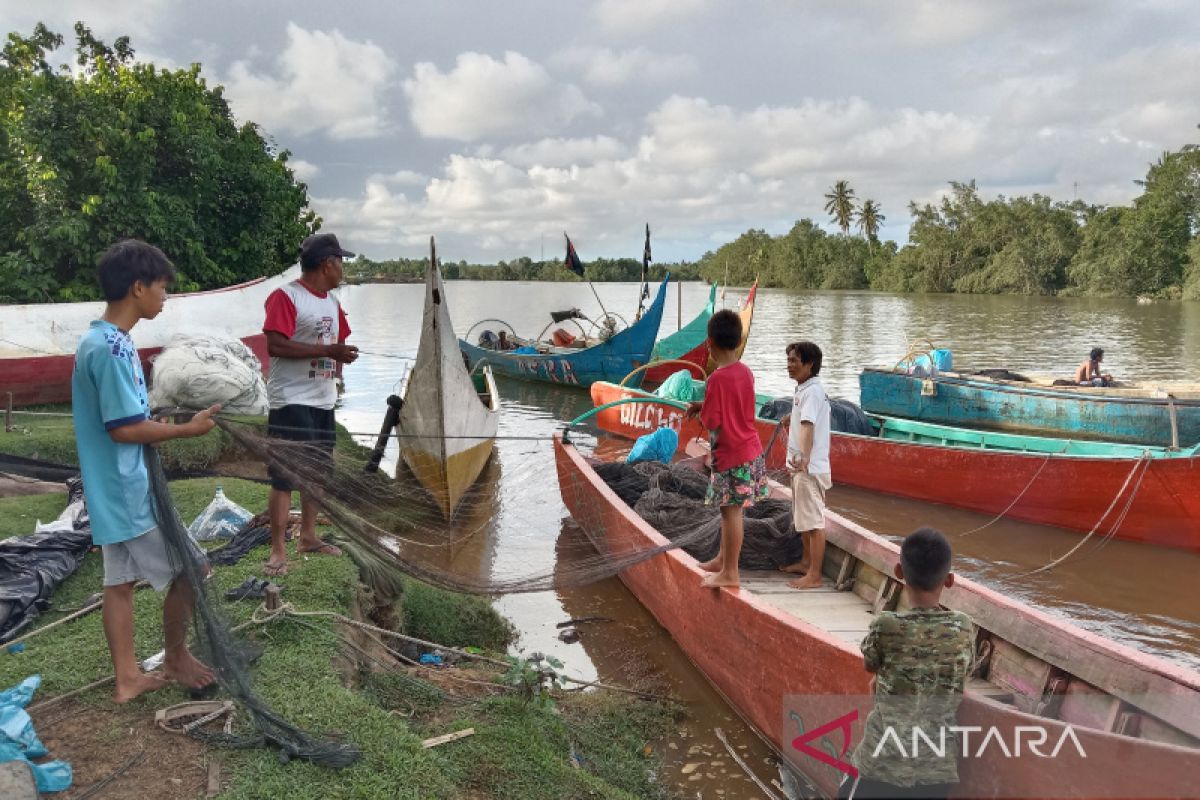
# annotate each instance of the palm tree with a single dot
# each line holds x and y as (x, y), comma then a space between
(869, 220)
(840, 205)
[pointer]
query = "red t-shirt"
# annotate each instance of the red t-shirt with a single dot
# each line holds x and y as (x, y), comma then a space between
(729, 411)
(281, 313)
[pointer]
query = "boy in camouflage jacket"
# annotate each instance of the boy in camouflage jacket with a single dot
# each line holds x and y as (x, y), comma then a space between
(920, 659)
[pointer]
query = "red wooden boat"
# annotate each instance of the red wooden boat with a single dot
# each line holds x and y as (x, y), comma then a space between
(781, 658)
(37, 341)
(1148, 494)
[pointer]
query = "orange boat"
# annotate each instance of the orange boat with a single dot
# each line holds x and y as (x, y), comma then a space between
(1130, 721)
(1141, 494)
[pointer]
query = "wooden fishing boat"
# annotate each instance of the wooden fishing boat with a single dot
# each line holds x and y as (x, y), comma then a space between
(1165, 415)
(447, 425)
(783, 658)
(38, 340)
(690, 343)
(573, 366)
(1141, 494)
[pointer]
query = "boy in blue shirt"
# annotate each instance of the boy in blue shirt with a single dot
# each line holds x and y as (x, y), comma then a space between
(112, 426)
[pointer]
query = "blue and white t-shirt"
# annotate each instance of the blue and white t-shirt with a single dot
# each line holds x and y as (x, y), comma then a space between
(108, 390)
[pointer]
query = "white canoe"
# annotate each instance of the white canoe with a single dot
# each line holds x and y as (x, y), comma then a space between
(447, 426)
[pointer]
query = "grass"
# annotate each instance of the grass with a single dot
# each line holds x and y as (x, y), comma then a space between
(52, 438)
(590, 745)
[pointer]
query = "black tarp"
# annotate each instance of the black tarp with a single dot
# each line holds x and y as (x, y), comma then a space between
(33, 566)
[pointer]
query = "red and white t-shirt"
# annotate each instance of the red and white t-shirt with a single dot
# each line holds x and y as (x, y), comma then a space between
(311, 317)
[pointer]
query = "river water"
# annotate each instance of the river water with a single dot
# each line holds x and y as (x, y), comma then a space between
(1140, 595)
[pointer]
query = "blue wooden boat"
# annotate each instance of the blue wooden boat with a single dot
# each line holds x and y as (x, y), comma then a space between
(1166, 416)
(574, 366)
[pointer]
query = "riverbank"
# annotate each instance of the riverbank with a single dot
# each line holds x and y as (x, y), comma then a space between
(320, 677)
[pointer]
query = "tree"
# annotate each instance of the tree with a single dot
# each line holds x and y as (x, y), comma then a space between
(870, 217)
(839, 204)
(119, 149)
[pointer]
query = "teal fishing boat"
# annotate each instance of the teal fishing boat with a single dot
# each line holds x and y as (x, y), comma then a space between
(1167, 415)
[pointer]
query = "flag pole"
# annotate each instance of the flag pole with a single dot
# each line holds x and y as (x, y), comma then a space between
(589, 282)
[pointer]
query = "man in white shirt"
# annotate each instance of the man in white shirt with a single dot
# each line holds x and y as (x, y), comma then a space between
(808, 460)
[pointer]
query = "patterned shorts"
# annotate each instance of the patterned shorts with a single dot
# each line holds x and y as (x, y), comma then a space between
(743, 485)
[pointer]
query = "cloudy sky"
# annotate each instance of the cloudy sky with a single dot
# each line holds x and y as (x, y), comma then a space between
(497, 125)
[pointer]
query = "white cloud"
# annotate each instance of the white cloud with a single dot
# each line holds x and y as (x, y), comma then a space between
(108, 19)
(564, 152)
(322, 82)
(633, 16)
(602, 66)
(485, 97)
(304, 170)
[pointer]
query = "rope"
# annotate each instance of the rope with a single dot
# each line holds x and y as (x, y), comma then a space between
(76, 615)
(1144, 463)
(1013, 504)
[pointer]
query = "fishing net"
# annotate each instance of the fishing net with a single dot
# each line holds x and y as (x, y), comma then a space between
(392, 529)
(228, 656)
(671, 499)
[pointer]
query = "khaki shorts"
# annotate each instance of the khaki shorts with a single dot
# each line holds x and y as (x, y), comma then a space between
(143, 558)
(808, 500)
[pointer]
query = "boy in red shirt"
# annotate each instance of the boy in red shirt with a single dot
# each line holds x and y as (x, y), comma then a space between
(738, 471)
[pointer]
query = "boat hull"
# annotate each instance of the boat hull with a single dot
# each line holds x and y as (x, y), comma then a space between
(763, 660)
(37, 341)
(608, 361)
(1112, 415)
(447, 425)
(1158, 497)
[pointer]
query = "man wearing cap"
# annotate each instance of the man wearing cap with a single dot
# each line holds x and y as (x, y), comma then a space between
(306, 337)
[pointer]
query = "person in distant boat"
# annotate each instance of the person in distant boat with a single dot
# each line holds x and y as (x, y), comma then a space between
(306, 333)
(1089, 373)
(738, 478)
(920, 659)
(808, 460)
(111, 412)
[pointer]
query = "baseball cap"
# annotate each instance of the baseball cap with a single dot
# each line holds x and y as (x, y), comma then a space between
(320, 246)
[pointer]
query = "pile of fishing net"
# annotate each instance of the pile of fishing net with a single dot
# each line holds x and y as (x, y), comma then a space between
(197, 371)
(671, 499)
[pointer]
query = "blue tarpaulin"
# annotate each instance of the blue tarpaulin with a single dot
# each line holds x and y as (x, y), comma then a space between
(18, 740)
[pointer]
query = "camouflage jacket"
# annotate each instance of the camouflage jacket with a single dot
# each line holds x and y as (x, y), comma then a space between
(920, 658)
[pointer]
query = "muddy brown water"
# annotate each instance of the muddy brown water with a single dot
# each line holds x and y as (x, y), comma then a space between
(1140, 595)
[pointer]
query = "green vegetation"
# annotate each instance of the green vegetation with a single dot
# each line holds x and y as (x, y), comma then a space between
(107, 148)
(521, 269)
(1020, 245)
(587, 746)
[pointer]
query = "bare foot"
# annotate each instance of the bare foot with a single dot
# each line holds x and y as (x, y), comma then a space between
(188, 671)
(276, 566)
(719, 579)
(712, 565)
(807, 582)
(143, 683)
(799, 568)
(324, 548)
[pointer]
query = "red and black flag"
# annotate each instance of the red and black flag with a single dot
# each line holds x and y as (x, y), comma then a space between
(572, 262)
